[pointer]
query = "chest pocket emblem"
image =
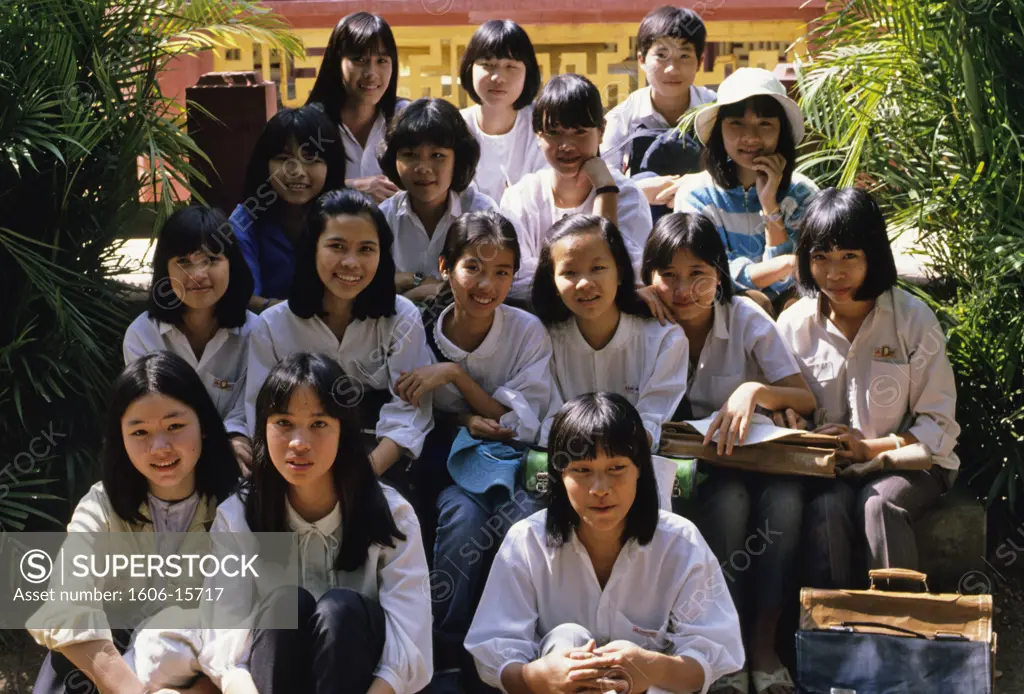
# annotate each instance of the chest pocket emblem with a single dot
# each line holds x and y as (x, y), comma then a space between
(222, 384)
(884, 352)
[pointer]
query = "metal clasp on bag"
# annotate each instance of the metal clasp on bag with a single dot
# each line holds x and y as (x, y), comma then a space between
(677, 491)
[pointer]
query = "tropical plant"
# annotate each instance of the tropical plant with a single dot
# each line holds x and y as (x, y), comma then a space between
(923, 103)
(85, 137)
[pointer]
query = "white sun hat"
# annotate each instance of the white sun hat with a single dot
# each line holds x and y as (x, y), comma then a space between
(743, 84)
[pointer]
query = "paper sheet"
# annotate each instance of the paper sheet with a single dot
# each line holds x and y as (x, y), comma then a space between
(760, 429)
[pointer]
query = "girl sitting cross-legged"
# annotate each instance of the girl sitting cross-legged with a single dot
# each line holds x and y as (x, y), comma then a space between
(602, 591)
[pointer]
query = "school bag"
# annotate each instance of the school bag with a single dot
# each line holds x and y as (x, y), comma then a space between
(882, 642)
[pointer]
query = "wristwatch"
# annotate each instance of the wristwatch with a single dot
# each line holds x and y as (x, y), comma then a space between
(417, 279)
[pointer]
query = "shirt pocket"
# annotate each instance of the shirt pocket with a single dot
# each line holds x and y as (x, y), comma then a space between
(724, 386)
(649, 634)
(222, 392)
(887, 395)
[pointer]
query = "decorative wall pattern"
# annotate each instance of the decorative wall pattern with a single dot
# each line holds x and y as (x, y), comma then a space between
(429, 56)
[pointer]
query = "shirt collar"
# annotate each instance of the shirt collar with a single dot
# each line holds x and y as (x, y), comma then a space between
(326, 526)
(884, 303)
(722, 312)
(487, 348)
(643, 106)
(164, 327)
(454, 206)
(622, 332)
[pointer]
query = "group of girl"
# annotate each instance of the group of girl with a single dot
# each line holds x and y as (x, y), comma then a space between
(567, 323)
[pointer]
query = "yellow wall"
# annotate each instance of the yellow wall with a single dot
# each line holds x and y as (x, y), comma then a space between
(429, 56)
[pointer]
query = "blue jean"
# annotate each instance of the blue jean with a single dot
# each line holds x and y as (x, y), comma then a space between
(752, 524)
(468, 536)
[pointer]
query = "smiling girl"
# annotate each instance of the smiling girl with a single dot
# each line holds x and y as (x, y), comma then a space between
(431, 155)
(296, 157)
(493, 379)
(602, 333)
(748, 187)
(344, 304)
(166, 464)
(357, 85)
(500, 73)
(738, 362)
(196, 309)
(875, 357)
(568, 123)
(602, 591)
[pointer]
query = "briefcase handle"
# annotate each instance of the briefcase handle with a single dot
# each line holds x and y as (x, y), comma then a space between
(897, 574)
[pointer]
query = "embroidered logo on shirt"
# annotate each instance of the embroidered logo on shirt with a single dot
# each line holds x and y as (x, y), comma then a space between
(884, 352)
(222, 384)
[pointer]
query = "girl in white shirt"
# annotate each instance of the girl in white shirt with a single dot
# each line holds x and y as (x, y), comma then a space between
(343, 303)
(875, 357)
(197, 309)
(431, 155)
(738, 362)
(166, 464)
(568, 123)
(493, 379)
(357, 84)
(500, 73)
(602, 591)
(602, 333)
(363, 614)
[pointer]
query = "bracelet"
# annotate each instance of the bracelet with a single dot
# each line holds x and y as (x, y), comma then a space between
(607, 189)
(897, 440)
(773, 217)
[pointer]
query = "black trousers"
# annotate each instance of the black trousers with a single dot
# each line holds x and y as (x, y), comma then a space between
(59, 676)
(335, 649)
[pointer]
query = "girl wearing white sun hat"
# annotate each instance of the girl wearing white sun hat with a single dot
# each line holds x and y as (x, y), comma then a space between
(748, 187)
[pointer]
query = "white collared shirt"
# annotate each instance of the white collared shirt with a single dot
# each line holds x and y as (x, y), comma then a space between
(504, 159)
(636, 117)
(668, 596)
(530, 205)
(360, 161)
(414, 249)
(645, 362)
(744, 345)
(893, 378)
(222, 367)
(393, 576)
(372, 352)
(512, 364)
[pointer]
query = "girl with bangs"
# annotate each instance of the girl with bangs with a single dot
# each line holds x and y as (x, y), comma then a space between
(357, 86)
(602, 591)
(197, 309)
(297, 157)
(739, 362)
(432, 157)
(875, 357)
(500, 73)
(602, 334)
(748, 187)
(568, 124)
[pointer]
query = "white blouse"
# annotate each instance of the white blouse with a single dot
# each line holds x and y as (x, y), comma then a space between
(504, 159)
(360, 161)
(744, 345)
(512, 364)
(667, 596)
(393, 576)
(894, 377)
(222, 367)
(645, 362)
(530, 205)
(373, 353)
(414, 249)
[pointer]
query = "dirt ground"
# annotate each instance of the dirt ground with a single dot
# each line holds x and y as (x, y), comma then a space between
(18, 666)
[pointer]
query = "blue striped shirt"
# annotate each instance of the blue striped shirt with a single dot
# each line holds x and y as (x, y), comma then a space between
(736, 214)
